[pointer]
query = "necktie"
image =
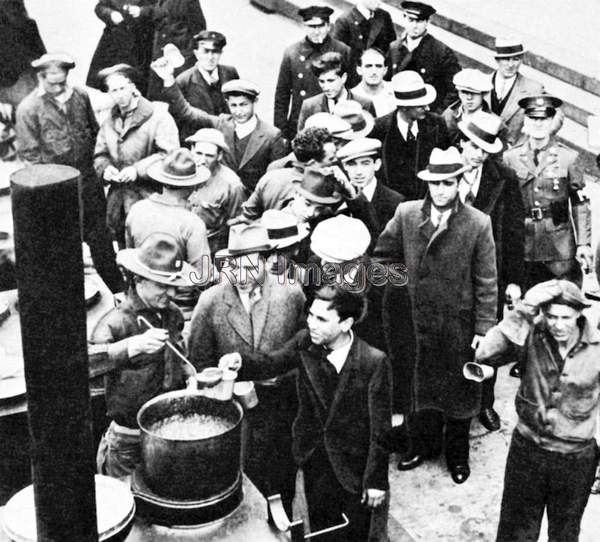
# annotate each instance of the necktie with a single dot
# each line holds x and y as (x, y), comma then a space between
(536, 156)
(410, 137)
(469, 198)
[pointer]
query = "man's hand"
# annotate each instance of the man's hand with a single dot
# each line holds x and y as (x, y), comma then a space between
(149, 342)
(232, 362)
(127, 175)
(542, 293)
(585, 257)
(165, 70)
(111, 173)
(513, 292)
(475, 342)
(373, 497)
(344, 186)
(134, 11)
(116, 17)
(6, 111)
(240, 219)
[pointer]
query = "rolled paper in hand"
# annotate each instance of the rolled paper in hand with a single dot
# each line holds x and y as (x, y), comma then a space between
(172, 53)
(476, 372)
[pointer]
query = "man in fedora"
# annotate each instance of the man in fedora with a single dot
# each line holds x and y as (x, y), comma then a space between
(419, 51)
(168, 212)
(435, 319)
(494, 189)
(253, 143)
(409, 134)
(472, 86)
(332, 76)
(250, 310)
(372, 68)
(220, 198)
(55, 124)
(133, 359)
(553, 453)
(296, 80)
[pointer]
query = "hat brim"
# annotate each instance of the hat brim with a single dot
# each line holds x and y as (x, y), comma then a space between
(429, 98)
(155, 172)
(490, 148)
(322, 200)
(474, 90)
(289, 241)
(227, 253)
(223, 146)
(128, 258)
(426, 175)
(351, 134)
(510, 55)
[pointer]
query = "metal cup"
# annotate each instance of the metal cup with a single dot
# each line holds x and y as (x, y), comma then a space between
(245, 393)
(224, 391)
(477, 372)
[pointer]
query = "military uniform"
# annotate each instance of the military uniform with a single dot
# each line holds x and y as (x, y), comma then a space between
(557, 215)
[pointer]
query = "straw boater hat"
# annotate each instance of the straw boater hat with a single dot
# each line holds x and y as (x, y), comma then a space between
(158, 258)
(333, 124)
(340, 239)
(472, 81)
(245, 239)
(443, 165)
(209, 135)
(317, 187)
(361, 121)
(482, 129)
(411, 91)
(178, 169)
(508, 48)
(358, 148)
(283, 228)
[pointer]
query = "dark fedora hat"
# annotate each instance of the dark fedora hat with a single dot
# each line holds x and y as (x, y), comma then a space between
(158, 258)
(178, 169)
(317, 187)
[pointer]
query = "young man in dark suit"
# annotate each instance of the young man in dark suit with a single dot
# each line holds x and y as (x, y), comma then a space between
(419, 51)
(409, 134)
(332, 76)
(344, 394)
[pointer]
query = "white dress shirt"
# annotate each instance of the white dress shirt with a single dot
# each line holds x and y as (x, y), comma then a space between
(469, 183)
(403, 127)
(438, 218)
(242, 130)
(210, 77)
(248, 299)
(503, 85)
(412, 44)
(369, 190)
(338, 357)
(383, 101)
(342, 97)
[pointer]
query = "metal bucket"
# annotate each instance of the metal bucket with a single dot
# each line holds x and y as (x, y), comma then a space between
(190, 469)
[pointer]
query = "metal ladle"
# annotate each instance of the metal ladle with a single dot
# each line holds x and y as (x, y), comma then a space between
(142, 320)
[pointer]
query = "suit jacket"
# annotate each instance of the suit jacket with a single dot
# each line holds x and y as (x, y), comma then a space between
(265, 145)
(400, 164)
(351, 428)
(296, 80)
(512, 115)
(360, 34)
(220, 323)
(434, 61)
(273, 191)
(318, 104)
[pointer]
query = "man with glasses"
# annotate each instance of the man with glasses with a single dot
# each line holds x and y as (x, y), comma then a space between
(372, 68)
(296, 80)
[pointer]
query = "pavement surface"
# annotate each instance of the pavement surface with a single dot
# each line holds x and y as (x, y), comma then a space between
(425, 504)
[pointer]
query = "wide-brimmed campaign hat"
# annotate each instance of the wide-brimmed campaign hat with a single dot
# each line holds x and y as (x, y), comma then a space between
(482, 129)
(443, 165)
(209, 135)
(508, 47)
(411, 91)
(317, 187)
(178, 169)
(246, 239)
(340, 239)
(472, 81)
(283, 228)
(333, 124)
(361, 121)
(158, 258)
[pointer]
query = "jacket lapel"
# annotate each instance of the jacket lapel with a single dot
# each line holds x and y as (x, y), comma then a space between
(260, 312)
(490, 188)
(237, 316)
(347, 369)
(256, 141)
(311, 364)
(376, 25)
(512, 104)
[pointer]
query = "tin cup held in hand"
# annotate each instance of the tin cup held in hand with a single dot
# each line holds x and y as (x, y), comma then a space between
(245, 393)
(477, 372)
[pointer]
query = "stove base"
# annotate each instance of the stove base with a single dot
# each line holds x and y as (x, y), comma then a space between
(173, 513)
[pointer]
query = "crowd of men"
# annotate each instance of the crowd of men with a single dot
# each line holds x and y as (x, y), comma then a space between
(401, 219)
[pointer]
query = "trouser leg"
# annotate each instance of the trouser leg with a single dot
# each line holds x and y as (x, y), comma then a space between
(118, 453)
(426, 432)
(487, 391)
(457, 442)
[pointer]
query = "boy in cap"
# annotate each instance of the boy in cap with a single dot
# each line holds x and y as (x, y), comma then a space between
(55, 124)
(332, 76)
(552, 456)
(434, 320)
(372, 68)
(419, 51)
(296, 80)
(220, 198)
(361, 27)
(133, 359)
(253, 143)
(494, 189)
(557, 223)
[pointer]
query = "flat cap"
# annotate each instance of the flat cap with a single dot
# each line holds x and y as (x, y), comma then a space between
(472, 81)
(563, 292)
(316, 11)
(540, 106)
(240, 86)
(218, 40)
(209, 135)
(121, 69)
(358, 148)
(340, 239)
(418, 9)
(62, 60)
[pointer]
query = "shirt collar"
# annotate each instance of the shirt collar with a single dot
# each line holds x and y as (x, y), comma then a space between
(364, 11)
(403, 127)
(339, 356)
(242, 130)
(369, 190)
(209, 77)
(61, 98)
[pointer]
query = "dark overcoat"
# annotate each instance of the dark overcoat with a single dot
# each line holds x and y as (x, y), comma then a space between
(435, 62)
(450, 296)
(129, 42)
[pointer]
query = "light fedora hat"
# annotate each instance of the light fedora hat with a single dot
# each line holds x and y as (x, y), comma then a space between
(361, 121)
(482, 129)
(333, 124)
(340, 239)
(443, 165)
(178, 169)
(245, 239)
(508, 47)
(411, 91)
(158, 258)
(283, 228)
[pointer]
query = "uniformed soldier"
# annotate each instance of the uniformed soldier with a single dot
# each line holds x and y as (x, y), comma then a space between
(419, 51)
(296, 80)
(557, 213)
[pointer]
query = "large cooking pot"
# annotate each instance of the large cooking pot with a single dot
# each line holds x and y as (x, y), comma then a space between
(191, 446)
